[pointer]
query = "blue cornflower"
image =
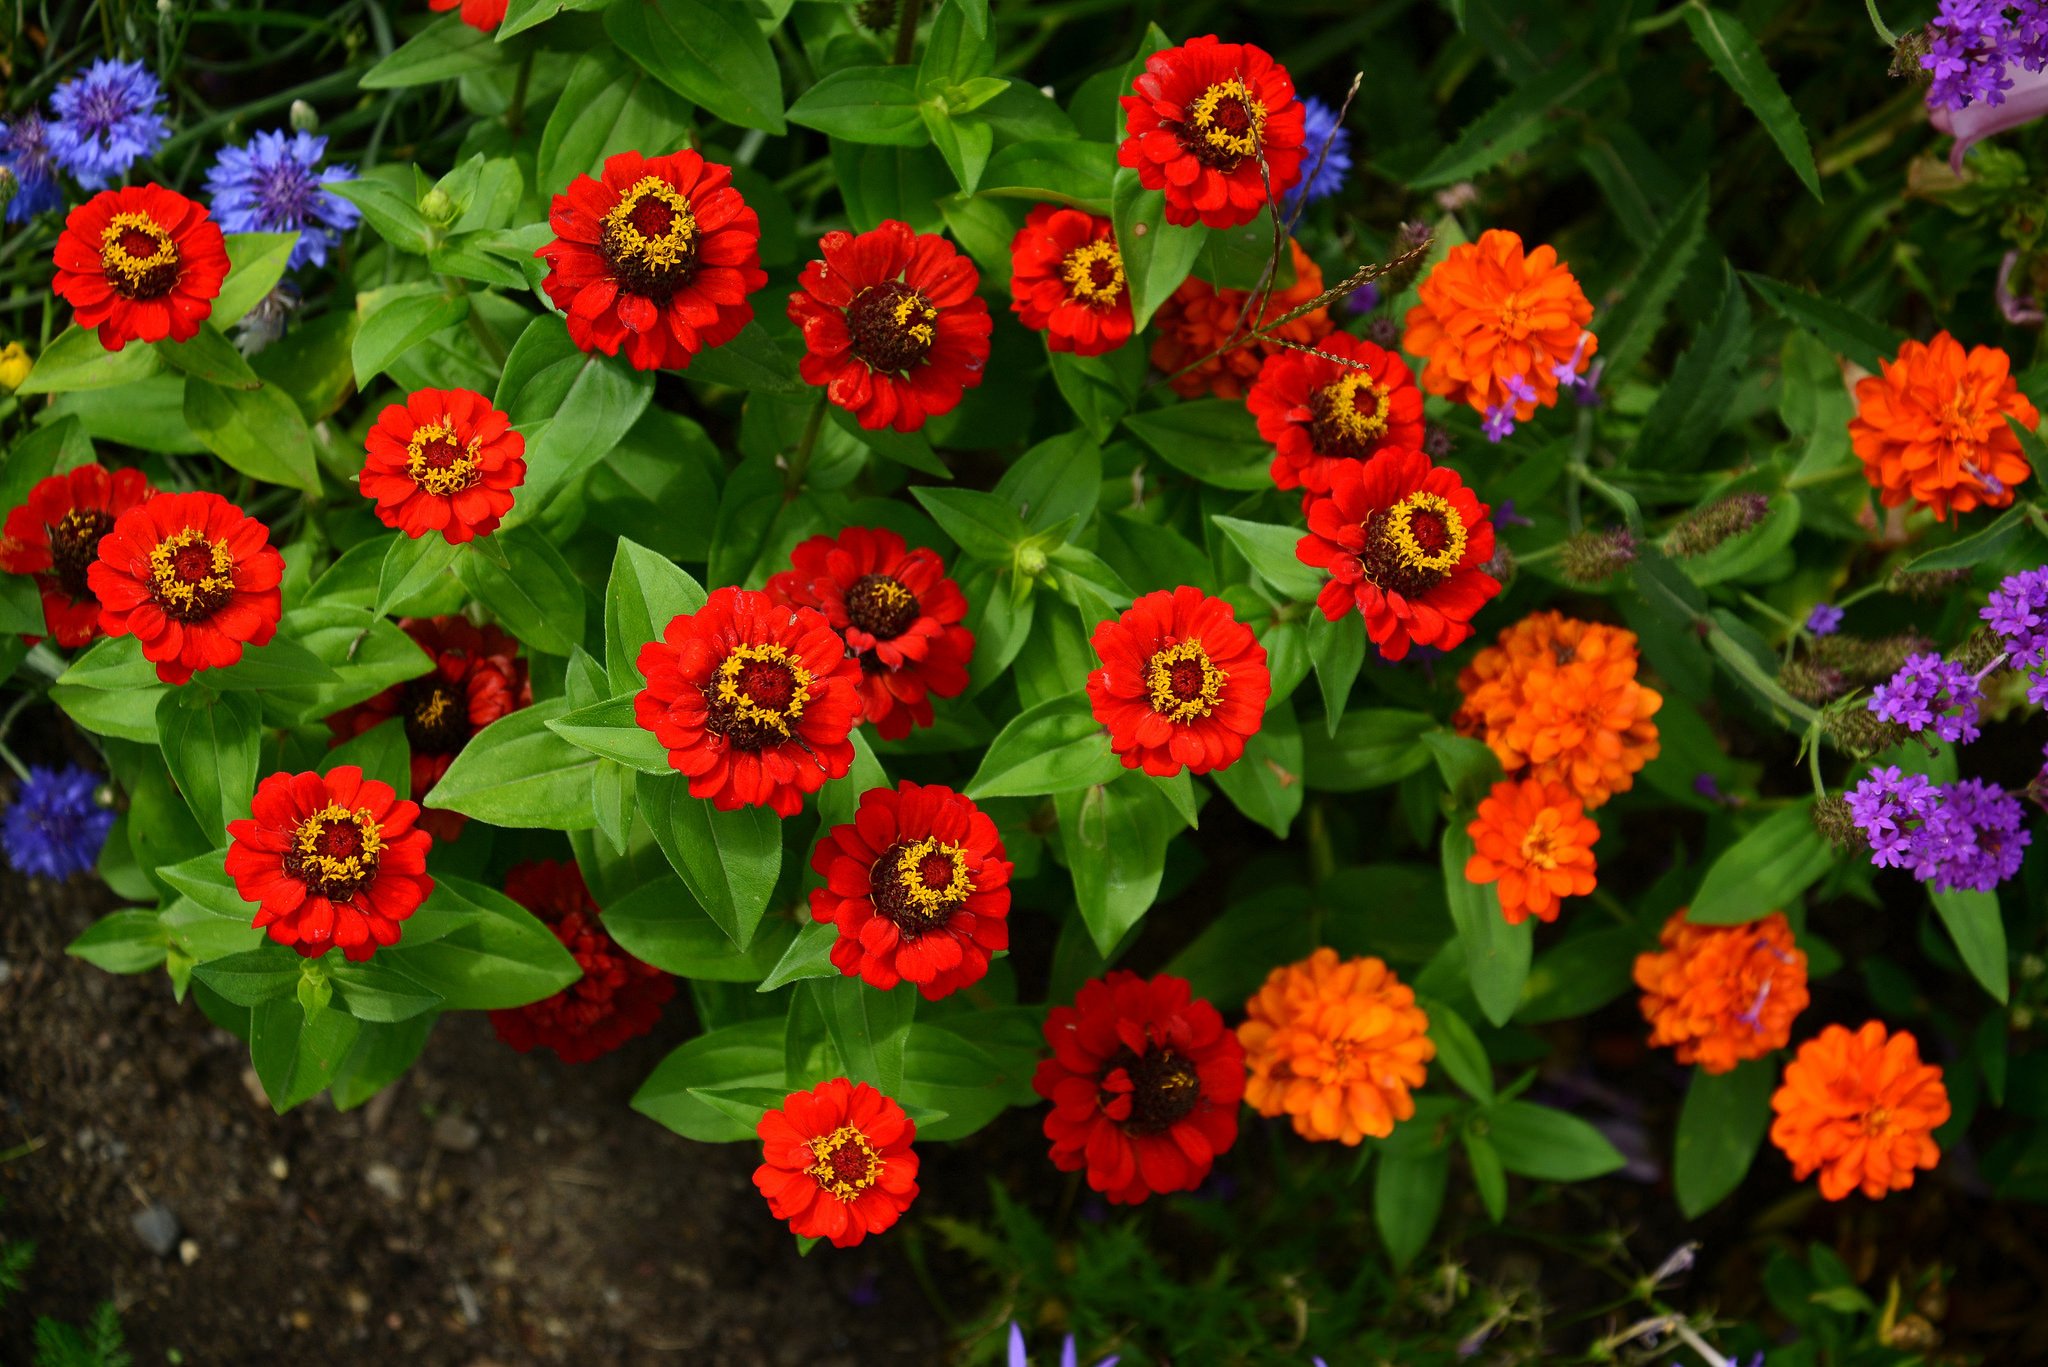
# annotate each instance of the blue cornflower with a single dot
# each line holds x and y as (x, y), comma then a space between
(1320, 126)
(1825, 619)
(277, 185)
(56, 825)
(25, 152)
(106, 120)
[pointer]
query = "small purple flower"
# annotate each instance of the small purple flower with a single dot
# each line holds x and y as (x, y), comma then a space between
(1566, 372)
(1971, 43)
(1929, 692)
(1504, 515)
(277, 185)
(1887, 806)
(1974, 840)
(1825, 619)
(1499, 423)
(2018, 611)
(1364, 299)
(1320, 127)
(106, 121)
(25, 153)
(56, 824)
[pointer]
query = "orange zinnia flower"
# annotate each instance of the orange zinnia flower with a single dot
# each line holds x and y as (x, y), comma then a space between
(1558, 698)
(1489, 314)
(1933, 427)
(1723, 994)
(1535, 840)
(1337, 1046)
(1862, 1108)
(1200, 317)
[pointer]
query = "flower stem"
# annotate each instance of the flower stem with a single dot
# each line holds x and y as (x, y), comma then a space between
(800, 460)
(906, 31)
(1890, 39)
(515, 117)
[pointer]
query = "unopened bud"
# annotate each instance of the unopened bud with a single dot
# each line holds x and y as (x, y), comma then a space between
(2032, 966)
(1981, 651)
(1437, 443)
(876, 15)
(1860, 731)
(1590, 557)
(1031, 561)
(1811, 681)
(1407, 238)
(1912, 1333)
(1906, 55)
(305, 118)
(1863, 660)
(1501, 565)
(1837, 826)
(437, 206)
(1925, 584)
(1384, 332)
(1705, 528)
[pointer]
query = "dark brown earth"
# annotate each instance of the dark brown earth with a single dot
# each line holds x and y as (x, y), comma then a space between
(489, 1208)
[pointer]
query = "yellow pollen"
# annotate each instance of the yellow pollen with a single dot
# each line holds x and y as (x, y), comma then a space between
(1358, 424)
(931, 903)
(457, 474)
(1079, 272)
(1539, 845)
(117, 252)
(663, 251)
(176, 591)
(337, 870)
(915, 306)
(1242, 143)
(1177, 704)
(433, 709)
(840, 1173)
(889, 593)
(1400, 530)
(743, 705)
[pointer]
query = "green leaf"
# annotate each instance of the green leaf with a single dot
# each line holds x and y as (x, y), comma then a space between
(1765, 871)
(751, 361)
(76, 361)
(257, 431)
(378, 992)
(1627, 331)
(1496, 953)
(209, 356)
(1459, 1052)
(1370, 748)
(809, 955)
(1061, 171)
(745, 1055)
(516, 772)
(646, 592)
(1116, 837)
(283, 663)
(1536, 1141)
(521, 15)
(983, 525)
(1719, 1132)
(496, 956)
(381, 752)
(729, 860)
(1741, 63)
(1407, 1197)
(1582, 974)
(869, 1028)
(392, 212)
(413, 567)
(1986, 543)
(254, 977)
(1975, 925)
(608, 729)
(1338, 649)
(123, 942)
(1517, 122)
(905, 448)
(1055, 747)
(1232, 956)
(203, 880)
(1842, 328)
(1693, 405)
(1487, 1174)
(872, 104)
(380, 1055)
(395, 319)
(1157, 256)
(256, 262)
(607, 107)
(661, 924)
(573, 407)
(297, 1052)
(443, 50)
(1265, 784)
(211, 743)
(964, 140)
(535, 594)
(1269, 549)
(1214, 440)
(711, 52)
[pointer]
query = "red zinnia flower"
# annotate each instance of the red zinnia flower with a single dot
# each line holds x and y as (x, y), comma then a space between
(55, 536)
(1183, 683)
(1204, 115)
(919, 888)
(658, 257)
(330, 859)
(892, 326)
(1403, 541)
(1317, 411)
(1067, 281)
(753, 700)
(618, 998)
(140, 263)
(836, 1162)
(443, 461)
(898, 612)
(483, 15)
(477, 678)
(191, 577)
(1144, 1085)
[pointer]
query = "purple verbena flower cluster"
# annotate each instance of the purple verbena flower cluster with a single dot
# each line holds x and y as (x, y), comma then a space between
(2018, 611)
(1971, 43)
(1930, 693)
(1964, 835)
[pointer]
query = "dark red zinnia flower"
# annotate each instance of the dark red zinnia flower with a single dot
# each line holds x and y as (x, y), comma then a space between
(141, 263)
(892, 326)
(55, 536)
(483, 15)
(1317, 411)
(1183, 683)
(836, 1162)
(1067, 281)
(919, 888)
(657, 257)
(331, 859)
(618, 997)
(1203, 116)
(190, 576)
(898, 612)
(1144, 1084)
(443, 461)
(752, 699)
(477, 678)
(1403, 541)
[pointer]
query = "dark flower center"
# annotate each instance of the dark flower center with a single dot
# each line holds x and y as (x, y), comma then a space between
(650, 239)
(1224, 125)
(757, 697)
(138, 256)
(1183, 682)
(1348, 415)
(891, 325)
(1094, 273)
(334, 852)
(1164, 1088)
(74, 545)
(436, 720)
(440, 466)
(1413, 546)
(919, 884)
(844, 1163)
(190, 576)
(881, 606)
